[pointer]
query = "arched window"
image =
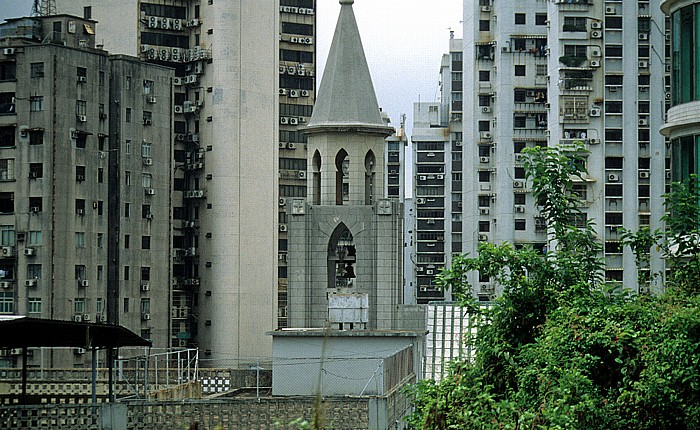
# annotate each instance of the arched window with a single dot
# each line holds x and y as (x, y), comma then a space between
(370, 164)
(342, 256)
(342, 187)
(316, 180)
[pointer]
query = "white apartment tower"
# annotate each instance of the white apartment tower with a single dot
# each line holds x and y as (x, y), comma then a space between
(549, 73)
(226, 107)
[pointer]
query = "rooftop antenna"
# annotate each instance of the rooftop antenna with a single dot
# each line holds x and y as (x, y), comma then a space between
(44, 8)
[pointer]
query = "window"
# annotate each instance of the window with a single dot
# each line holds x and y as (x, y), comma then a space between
(35, 237)
(540, 19)
(147, 86)
(519, 198)
(518, 147)
(79, 239)
(484, 201)
(36, 170)
(7, 302)
(147, 180)
(36, 137)
(7, 136)
(81, 141)
(36, 103)
(484, 75)
(7, 235)
(33, 271)
(127, 241)
(613, 50)
(36, 70)
(519, 19)
(101, 78)
(127, 210)
(145, 211)
(100, 274)
(127, 115)
(484, 226)
(81, 73)
(519, 121)
(613, 106)
(484, 100)
(575, 50)
(613, 162)
(147, 117)
(79, 305)
(80, 272)
(613, 218)
(100, 207)
(126, 273)
(574, 23)
(519, 70)
(484, 25)
(145, 273)
(613, 22)
(145, 242)
(80, 206)
(519, 95)
(7, 169)
(100, 175)
(484, 150)
(126, 305)
(127, 83)
(127, 178)
(7, 202)
(7, 104)
(79, 173)
(100, 239)
(35, 204)
(8, 71)
(34, 305)
(99, 305)
(520, 224)
(519, 173)
(146, 149)
(80, 107)
(484, 125)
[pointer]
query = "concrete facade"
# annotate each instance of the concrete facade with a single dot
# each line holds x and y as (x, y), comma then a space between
(85, 209)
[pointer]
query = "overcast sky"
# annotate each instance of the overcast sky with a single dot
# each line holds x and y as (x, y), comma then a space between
(403, 39)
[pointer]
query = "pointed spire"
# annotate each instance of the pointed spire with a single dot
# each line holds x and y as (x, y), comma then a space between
(346, 95)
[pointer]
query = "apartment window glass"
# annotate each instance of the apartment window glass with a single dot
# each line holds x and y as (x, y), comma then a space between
(520, 19)
(7, 169)
(613, 106)
(127, 146)
(127, 210)
(127, 115)
(484, 100)
(36, 137)
(613, 22)
(127, 83)
(148, 86)
(484, 176)
(7, 202)
(519, 173)
(145, 211)
(100, 272)
(519, 70)
(484, 125)
(484, 226)
(36, 70)
(484, 201)
(79, 239)
(7, 302)
(519, 95)
(520, 224)
(519, 198)
(146, 149)
(613, 50)
(100, 175)
(519, 121)
(100, 239)
(145, 273)
(540, 19)
(36, 103)
(79, 305)
(101, 78)
(79, 173)
(145, 242)
(484, 25)
(80, 271)
(34, 305)
(35, 204)
(147, 180)
(126, 305)
(80, 107)
(80, 206)
(127, 178)
(33, 271)
(35, 237)
(484, 75)
(126, 273)
(145, 305)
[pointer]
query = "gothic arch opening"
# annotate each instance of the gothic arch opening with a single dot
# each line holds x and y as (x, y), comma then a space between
(370, 165)
(316, 179)
(342, 256)
(342, 186)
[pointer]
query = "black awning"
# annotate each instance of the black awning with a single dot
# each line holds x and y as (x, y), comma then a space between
(23, 332)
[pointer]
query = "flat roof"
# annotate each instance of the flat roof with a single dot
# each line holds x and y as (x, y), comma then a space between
(320, 332)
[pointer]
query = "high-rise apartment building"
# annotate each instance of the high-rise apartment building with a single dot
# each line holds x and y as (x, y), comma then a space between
(552, 73)
(683, 121)
(84, 209)
(244, 84)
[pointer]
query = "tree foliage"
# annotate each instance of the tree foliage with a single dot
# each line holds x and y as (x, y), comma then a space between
(559, 349)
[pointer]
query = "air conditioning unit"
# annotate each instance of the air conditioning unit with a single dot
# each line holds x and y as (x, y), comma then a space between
(283, 91)
(595, 111)
(102, 318)
(306, 40)
(613, 177)
(610, 10)
(484, 159)
(486, 8)
(149, 217)
(440, 176)
(485, 135)
(596, 25)
(595, 64)
(147, 161)
(82, 79)
(193, 22)
(35, 209)
(291, 145)
(596, 34)
(178, 109)
(429, 272)
(29, 252)
(30, 283)
(643, 122)
(422, 177)
(145, 317)
(84, 283)
(302, 174)
(177, 81)
(284, 120)
(8, 251)
(283, 227)
(484, 211)
(294, 39)
(293, 121)
(151, 99)
(420, 201)
(78, 318)
(596, 52)
(305, 93)
(643, 64)
(483, 237)
(9, 51)
(82, 118)
(643, 36)
(282, 201)
(668, 175)
(518, 184)
(177, 24)
(486, 109)
(644, 175)
(519, 208)
(5, 285)
(519, 158)
(150, 191)
(294, 93)
(145, 287)
(87, 317)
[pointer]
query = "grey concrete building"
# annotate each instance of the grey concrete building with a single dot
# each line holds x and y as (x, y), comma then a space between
(85, 144)
(233, 107)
